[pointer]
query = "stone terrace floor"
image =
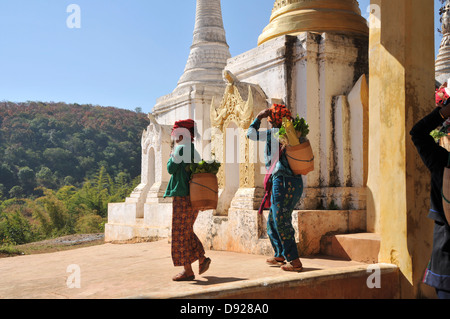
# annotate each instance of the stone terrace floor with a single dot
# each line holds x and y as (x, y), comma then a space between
(142, 270)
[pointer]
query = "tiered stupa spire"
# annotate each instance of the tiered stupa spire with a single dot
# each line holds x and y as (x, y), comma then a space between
(209, 50)
(443, 58)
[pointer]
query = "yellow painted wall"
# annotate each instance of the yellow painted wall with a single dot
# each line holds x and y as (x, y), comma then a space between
(401, 85)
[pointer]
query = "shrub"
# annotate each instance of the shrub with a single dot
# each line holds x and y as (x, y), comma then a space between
(15, 229)
(89, 224)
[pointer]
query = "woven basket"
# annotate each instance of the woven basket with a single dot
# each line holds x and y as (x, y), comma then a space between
(204, 191)
(445, 142)
(300, 158)
(446, 193)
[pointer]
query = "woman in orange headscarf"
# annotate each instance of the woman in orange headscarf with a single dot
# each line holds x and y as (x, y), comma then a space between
(186, 247)
(282, 187)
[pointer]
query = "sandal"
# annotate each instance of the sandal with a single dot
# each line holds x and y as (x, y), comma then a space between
(204, 266)
(273, 261)
(291, 268)
(182, 276)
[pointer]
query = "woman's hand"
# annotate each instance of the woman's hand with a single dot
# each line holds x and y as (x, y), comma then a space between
(263, 114)
(441, 95)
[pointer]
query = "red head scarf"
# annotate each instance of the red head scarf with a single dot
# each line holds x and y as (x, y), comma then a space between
(186, 124)
(442, 94)
(278, 112)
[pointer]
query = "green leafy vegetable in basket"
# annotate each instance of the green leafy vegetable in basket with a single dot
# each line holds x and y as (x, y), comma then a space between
(300, 126)
(205, 167)
(437, 134)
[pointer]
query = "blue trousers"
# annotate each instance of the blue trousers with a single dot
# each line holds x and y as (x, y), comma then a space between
(286, 192)
(442, 294)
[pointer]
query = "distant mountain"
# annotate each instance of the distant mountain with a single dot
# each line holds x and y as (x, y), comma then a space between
(57, 144)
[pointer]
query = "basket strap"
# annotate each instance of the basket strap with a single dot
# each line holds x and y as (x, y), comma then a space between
(444, 198)
(298, 160)
(212, 190)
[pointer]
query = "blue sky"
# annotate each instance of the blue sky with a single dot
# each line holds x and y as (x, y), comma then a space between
(126, 53)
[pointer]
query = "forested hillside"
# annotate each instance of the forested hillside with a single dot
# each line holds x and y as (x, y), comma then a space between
(57, 144)
(60, 165)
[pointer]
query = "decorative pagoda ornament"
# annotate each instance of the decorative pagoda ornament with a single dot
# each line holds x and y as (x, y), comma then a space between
(291, 17)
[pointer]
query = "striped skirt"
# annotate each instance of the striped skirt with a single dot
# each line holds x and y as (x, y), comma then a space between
(186, 247)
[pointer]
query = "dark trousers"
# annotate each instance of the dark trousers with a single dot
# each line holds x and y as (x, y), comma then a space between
(286, 192)
(442, 294)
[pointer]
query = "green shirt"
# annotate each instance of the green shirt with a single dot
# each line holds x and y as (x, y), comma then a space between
(179, 167)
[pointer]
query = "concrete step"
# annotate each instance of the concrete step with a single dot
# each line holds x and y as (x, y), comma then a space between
(379, 281)
(312, 225)
(361, 247)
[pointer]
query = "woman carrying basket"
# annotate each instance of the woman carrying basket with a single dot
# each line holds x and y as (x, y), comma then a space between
(186, 247)
(285, 191)
(436, 159)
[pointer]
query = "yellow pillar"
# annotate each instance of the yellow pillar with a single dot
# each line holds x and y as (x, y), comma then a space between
(401, 86)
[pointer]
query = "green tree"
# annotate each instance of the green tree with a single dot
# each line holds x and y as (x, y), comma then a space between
(58, 159)
(15, 228)
(16, 192)
(53, 214)
(2, 193)
(45, 178)
(27, 179)
(89, 224)
(69, 180)
(7, 176)
(94, 194)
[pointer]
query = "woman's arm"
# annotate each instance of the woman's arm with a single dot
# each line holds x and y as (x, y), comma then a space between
(253, 132)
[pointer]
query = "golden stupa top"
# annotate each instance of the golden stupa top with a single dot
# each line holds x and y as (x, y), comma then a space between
(291, 17)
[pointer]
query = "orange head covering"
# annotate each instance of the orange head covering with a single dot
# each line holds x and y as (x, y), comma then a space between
(186, 124)
(278, 112)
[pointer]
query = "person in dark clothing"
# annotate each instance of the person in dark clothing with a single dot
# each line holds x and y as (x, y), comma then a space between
(435, 158)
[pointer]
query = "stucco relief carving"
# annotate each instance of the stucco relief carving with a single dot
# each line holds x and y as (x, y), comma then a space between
(157, 138)
(237, 106)
(151, 136)
(233, 107)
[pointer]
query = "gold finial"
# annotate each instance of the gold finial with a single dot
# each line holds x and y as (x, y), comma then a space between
(291, 17)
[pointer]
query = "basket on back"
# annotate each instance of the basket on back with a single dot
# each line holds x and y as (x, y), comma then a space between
(446, 191)
(204, 191)
(300, 155)
(300, 158)
(204, 187)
